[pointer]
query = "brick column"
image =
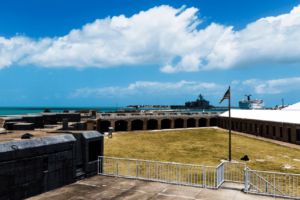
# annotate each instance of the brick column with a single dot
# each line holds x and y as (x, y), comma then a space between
(197, 122)
(98, 125)
(172, 123)
(128, 125)
(90, 125)
(112, 124)
(145, 124)
(207, 122)
(184, 122)
(159, 124)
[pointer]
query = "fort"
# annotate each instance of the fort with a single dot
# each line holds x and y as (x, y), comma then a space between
(151, 121)
(62, 148)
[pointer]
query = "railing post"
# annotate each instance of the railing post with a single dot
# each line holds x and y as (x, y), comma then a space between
(246, 181)
(116, 167)
(157, 171)
(274, 184)
(136, 169)
(204, 177)
(179, 172)
(225, 177)
(98, 165)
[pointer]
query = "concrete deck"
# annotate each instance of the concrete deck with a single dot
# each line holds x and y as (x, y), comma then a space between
(105, 187)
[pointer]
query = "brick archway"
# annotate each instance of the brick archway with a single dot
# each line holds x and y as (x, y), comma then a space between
(178, 123)
(121, 125)
(166, 124)
(202, 122)
(104, 126)
(191, 122)
(137, 125)
(152, 124)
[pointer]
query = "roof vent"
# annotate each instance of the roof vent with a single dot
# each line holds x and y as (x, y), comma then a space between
(26, 136)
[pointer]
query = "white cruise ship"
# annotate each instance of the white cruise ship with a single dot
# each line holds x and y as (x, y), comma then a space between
(251, 104)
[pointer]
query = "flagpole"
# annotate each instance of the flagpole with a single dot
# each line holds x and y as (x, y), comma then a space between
(229, 128)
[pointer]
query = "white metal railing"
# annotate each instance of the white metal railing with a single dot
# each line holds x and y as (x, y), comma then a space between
(234, 172)
(257, 182)
(176, 173)
(272, 183)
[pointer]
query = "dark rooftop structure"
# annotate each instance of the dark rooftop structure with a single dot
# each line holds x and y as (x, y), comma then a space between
(33, 162)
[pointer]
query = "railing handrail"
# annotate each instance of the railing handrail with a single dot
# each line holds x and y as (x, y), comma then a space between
(275, 188)
(273, 172)
(170, 162)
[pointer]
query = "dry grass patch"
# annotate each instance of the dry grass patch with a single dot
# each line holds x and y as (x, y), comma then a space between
(202, 147)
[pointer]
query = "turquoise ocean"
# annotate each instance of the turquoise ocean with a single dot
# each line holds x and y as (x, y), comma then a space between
(22, 110)
(28, 110)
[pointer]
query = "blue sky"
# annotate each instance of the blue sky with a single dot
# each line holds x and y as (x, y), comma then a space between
(99, 53)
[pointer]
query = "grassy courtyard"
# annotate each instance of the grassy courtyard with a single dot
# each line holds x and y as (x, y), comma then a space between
(201, 147)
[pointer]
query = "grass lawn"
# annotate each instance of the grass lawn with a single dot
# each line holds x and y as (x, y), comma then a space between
(201, 147)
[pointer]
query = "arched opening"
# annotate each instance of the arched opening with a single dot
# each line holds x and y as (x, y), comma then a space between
(213, 122)
(202, 122)
(104, 126)
(191, 122)
(165, 124)
(152, 124)
(241, 127)
(121, 125)
(137, 125)
(178, 123)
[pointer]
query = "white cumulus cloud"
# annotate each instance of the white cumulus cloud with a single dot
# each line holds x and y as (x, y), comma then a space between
(158, 36)
(275, 86)
(146, 87)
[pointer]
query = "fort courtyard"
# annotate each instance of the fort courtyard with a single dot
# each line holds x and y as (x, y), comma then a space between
(202, 146)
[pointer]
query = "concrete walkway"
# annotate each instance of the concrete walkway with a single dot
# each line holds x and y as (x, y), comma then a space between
(294, 146)
(105, 187)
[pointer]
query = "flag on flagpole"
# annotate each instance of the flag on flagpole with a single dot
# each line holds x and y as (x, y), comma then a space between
(226, 96)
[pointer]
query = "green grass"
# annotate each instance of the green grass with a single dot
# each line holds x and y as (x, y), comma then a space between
(201, 147)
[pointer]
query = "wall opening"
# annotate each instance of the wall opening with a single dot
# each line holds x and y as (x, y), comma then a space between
(94, 150)
(280, 132)
(121, 125)
(274, 131)
(267, 129)
(255, 130)
(298, 134)
(241, 127)
(213, 122)
(261, 130)
(104, 126)
(202, 122)
(237, 125)
(165, 124)
(178, 123)
(250, 126)
(191, 122)
(232, 125)
(137, 125)
(289, 135)
(152, 124)
(245, 126)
